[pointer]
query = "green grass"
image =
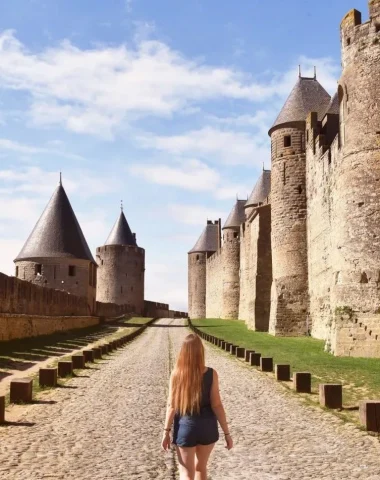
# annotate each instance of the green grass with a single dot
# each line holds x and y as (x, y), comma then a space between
(360, 376)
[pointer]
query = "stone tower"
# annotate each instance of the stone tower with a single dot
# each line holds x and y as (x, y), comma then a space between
(231, 260)
(207, 244)
(121, 268)
(289, 295)
(355, 210)
(56, 254)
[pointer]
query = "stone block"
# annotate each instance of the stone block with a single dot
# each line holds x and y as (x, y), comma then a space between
(255, 359)
(331, 395)
(233, 349)
(223, 345)
(48, 377)
(97, 352)
(240, 352)
(369, 414)
(89, 356)
(302, 382)
(2, 409)
(21, 390)
(266, 364)
(65, 368)
(78, 361)
(248, 354)
(282, 372)
(227, 346)
(104, 349)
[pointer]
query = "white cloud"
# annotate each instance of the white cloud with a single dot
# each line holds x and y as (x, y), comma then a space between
(94, 90)
(228, 146)
(16, 147)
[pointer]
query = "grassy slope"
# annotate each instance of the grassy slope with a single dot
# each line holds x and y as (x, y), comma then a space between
(360, 376)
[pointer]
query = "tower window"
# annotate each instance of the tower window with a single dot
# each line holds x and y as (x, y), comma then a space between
(287, 141)
(72, 271)
(235, 234)
(299, 189)
(102, 262)
(348, 41)
(16, 271)
(37, 269)
(197, 257)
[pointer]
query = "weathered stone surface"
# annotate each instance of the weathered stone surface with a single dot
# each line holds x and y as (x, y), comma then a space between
(48, 377)
(302, 382)
(266, 364)
(282, 372)
(89, 356)
(255, 359)
(21, 390)
(331, 395)
(98, 350)
(369, 413)
(65, 368)
(240, 352)
(78, 361)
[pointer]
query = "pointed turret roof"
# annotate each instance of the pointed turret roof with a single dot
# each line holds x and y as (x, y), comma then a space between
(121, 234)
(236, 216)
(260, 191)
(307, 96)
(208, 241)
(57, 233)
(333, 106)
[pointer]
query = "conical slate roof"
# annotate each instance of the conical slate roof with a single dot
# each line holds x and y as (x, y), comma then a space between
(57, 233)
(121, 234)
(236, 217)
(208, 241)
(307, 96)
(333, 106)
(260, 191)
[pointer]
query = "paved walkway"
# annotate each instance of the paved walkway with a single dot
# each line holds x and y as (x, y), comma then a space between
(108, 425)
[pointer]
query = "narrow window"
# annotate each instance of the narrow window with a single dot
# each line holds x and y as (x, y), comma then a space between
(37, 269)
(102, 262)
(299, 189)
(72, 271)
(284, 174)
(287, 141)
(235, 234)
(348, 41)
(197, 257)
(16, 271)
(307, 135)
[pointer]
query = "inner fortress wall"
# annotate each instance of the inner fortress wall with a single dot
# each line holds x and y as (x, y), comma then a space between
(245, 270)
(214, 285)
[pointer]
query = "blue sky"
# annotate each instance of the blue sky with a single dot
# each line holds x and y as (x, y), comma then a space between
(164, 104)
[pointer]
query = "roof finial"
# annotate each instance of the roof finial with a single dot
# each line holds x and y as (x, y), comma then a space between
(121, 205)
(315, 72)
(299, 71)
(60, 178)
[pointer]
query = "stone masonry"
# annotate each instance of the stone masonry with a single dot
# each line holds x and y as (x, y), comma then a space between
(309, 239)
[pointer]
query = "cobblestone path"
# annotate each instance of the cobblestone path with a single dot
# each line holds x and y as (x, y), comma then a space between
(110, 425)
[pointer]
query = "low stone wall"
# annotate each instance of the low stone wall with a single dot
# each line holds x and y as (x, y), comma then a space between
(112, 310)
(25, 326)
(355, 335)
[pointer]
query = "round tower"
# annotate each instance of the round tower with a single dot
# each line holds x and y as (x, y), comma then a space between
(207, 244)
(121, 268)
(231, 261)
(356, 211)
(56, 254)
(289, 295)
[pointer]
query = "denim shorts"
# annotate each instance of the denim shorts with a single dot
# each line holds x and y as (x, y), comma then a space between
(190, 431)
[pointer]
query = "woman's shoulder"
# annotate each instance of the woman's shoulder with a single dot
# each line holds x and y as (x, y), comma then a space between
(211, 371)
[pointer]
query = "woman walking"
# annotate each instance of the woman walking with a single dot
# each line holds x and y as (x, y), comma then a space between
(195, 406)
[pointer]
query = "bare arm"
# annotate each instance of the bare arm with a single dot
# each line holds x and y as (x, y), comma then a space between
(216, 403)
(170, 412)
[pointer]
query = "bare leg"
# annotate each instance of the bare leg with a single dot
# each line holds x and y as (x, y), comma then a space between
(202, 454)
(186, 459)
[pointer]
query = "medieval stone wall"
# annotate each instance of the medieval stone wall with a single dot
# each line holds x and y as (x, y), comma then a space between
(214, 286)
(245, 271)
(121, 271)
(197, 285)
(230, 273)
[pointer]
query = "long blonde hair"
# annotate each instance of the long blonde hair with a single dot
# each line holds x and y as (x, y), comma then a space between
(187, 376)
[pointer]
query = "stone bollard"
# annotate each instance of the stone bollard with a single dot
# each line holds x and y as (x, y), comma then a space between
(88, 356)
(282, 372)
(248, 354)
(233, 350)
(21, 390)
(227, 347)
(48, 377)
(65, 369)
(97, 352)
(78, 361)
(331, 395)
(302, 382)
(266, 364)
(104, 349)
(223, 345)
(240, 352)
(255, 359)
(369, 414)
(2, 410)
